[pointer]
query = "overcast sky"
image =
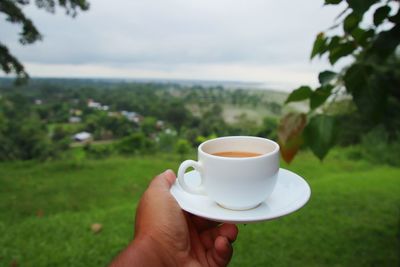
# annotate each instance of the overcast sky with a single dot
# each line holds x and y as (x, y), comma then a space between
(240, 40)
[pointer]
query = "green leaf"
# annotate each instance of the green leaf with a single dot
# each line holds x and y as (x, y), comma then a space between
(361, 36)
(368, 89)
(334, 41)
(351, 22)
(319, 96)
(326, 77)
(301, 93)
(381, 14)
(319, 46)
(332, 2)
(386, 42)
(320, 134)
(290, 132)
(361, 6)
(341, 50)
(355, 78)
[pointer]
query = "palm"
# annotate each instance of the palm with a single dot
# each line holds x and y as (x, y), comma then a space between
(165, 235)
(194, 240)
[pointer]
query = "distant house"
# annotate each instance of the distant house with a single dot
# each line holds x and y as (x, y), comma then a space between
(170, 132)
(96, 105)
(160, 125)
(132, 116)
(114, 114)
(83, 137)
(75, 112)
(74, 119)
(93, 104)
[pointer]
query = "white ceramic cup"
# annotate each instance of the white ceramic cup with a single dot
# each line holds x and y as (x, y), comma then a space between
(234, 183)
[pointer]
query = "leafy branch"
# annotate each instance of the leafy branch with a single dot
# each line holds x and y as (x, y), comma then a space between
(372, 80)
(29, 34)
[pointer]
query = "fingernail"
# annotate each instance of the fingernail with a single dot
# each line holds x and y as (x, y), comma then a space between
(167, 171)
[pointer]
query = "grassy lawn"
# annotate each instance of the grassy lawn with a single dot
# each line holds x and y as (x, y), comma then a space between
(46, 210)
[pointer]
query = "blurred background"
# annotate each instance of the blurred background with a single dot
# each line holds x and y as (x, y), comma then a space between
(96, 98)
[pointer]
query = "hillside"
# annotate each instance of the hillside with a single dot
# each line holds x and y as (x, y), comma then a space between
(46, 211)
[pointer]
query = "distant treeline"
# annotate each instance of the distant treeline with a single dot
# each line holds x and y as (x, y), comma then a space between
(39, 120)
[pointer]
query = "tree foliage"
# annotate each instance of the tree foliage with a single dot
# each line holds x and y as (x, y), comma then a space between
(182, 147)
(13, 11)
(41, 118)
(372, 79)
(23, 135)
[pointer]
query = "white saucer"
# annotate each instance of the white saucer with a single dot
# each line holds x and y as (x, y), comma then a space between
(290, 194)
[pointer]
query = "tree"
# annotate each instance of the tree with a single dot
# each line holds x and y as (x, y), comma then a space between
(148, 125)
(212, 121)
(371, 80)
(135, 143)
(13, 10)
(182, 147)
(22, 135)
(268, 128)
(177, 114)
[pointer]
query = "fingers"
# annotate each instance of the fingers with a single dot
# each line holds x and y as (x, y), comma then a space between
(230, 231)
(209, 236)
(164, 180)
(221, 253)
(202, 224)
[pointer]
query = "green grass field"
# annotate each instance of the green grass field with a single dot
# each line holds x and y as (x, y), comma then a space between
(46, 210)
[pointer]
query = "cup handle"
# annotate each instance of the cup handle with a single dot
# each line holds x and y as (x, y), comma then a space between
(181, 177)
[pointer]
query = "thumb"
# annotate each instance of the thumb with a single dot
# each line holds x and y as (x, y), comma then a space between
(164, 180)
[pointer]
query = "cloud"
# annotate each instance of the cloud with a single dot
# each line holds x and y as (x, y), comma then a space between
(277, 77)
(157, 36)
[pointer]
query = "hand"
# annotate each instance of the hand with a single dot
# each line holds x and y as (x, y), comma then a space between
(165, 235)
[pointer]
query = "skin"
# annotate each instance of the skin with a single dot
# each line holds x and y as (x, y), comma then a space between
(165, 235)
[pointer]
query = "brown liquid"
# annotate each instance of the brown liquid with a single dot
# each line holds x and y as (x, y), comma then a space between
(236, 154)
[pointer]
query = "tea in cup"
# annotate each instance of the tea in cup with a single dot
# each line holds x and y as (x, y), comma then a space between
(237, 172)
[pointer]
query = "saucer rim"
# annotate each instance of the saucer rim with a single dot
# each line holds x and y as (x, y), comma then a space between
(290, 208)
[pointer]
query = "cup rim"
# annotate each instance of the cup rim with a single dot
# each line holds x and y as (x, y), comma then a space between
(265, 155)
